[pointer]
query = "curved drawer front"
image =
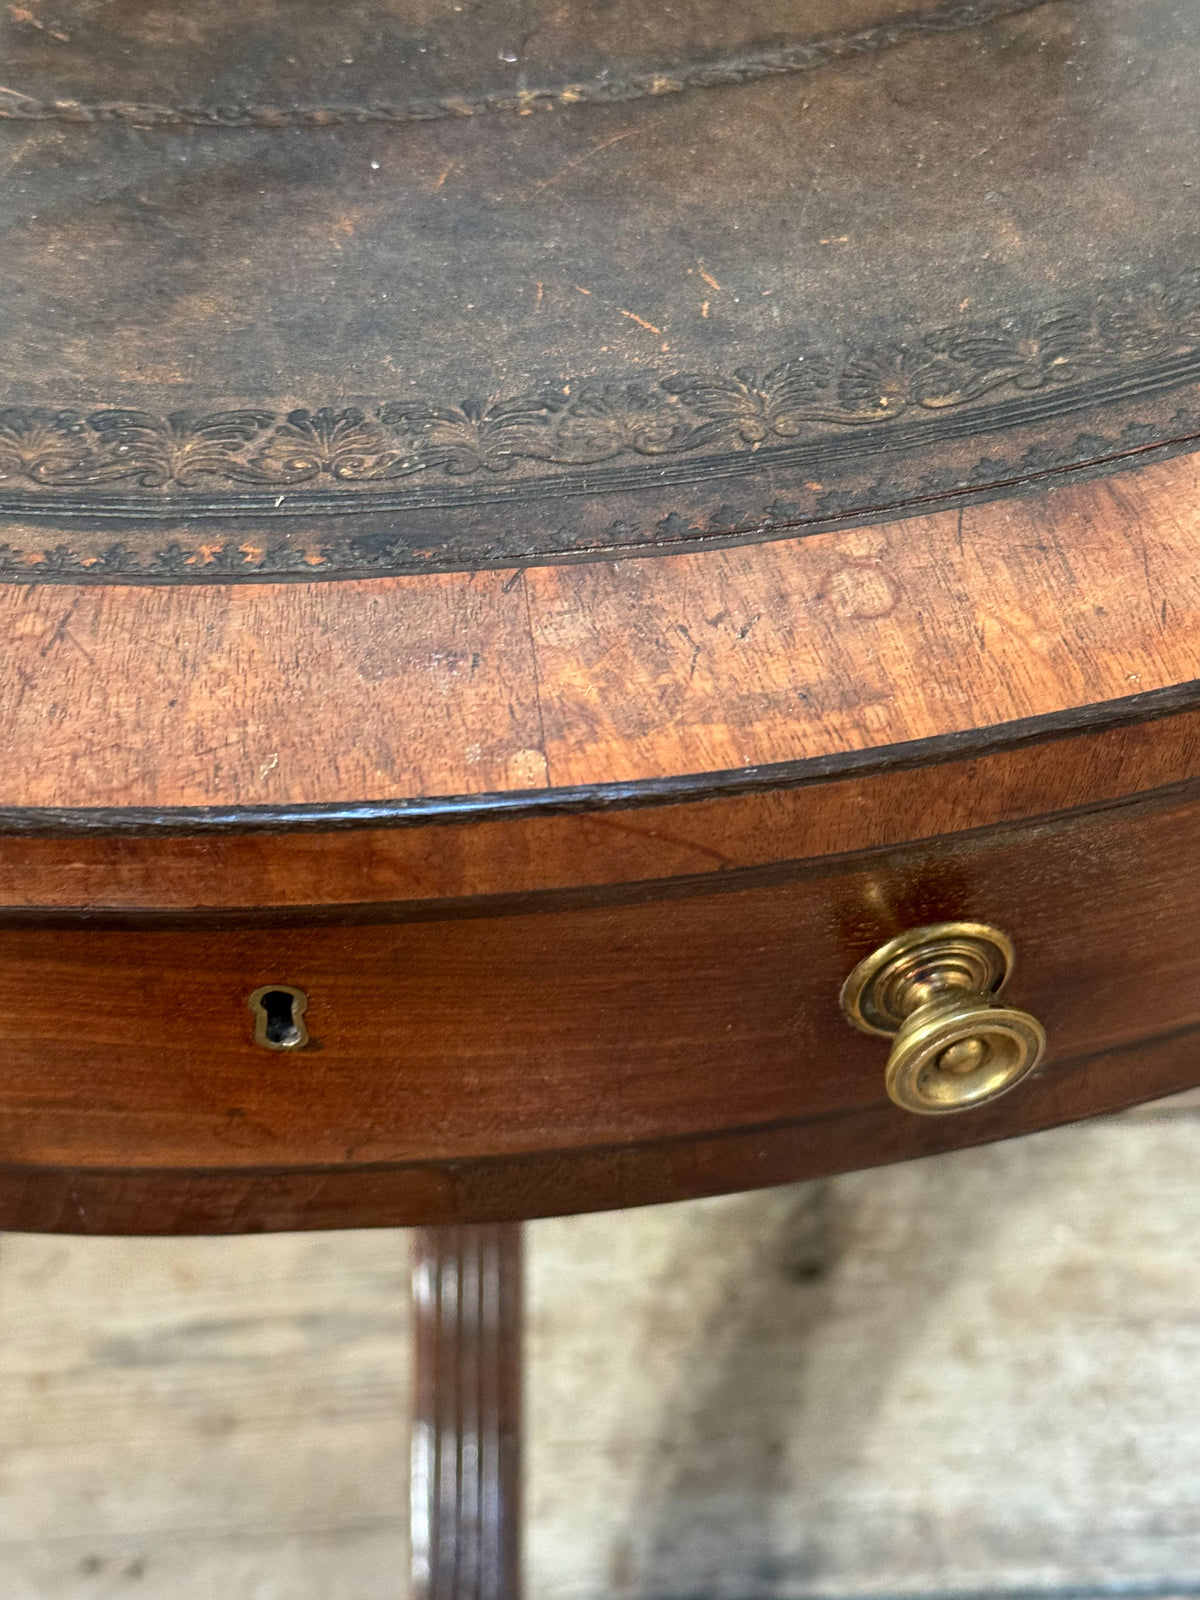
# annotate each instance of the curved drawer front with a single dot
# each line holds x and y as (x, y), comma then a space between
(546, 1056)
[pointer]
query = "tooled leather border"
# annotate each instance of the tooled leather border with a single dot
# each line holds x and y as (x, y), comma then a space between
(407, 485)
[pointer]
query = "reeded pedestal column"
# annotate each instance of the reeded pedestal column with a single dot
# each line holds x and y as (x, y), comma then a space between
(466, 1439)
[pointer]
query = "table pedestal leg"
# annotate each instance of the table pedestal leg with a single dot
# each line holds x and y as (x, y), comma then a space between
(466, 1441)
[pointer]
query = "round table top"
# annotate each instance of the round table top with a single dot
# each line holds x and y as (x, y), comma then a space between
(414, 407)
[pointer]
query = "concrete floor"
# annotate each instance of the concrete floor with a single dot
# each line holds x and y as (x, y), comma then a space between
(974, 1374)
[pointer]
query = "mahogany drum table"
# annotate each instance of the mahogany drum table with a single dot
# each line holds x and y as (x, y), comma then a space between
(601, 604)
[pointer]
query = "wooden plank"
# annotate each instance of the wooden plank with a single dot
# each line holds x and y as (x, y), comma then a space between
(970, 1376)
(195, 1418)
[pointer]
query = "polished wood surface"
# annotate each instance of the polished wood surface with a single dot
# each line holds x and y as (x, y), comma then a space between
(564, 1051)
(550, 677)
(565, 715)
(466, 1429)
(616, 983)
(556, 718)
(906, 794)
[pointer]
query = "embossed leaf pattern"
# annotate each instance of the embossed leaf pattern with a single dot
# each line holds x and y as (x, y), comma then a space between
(811, 395)
(749, 410)
(1051, 350)
(157, 451)
(881, 383)
(478, 435)
(61, 450)
(344, 445)
(36, 443)
(1165, 318)
(606, 420)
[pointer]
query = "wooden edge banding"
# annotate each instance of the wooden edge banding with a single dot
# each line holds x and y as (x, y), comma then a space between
(347, 875)
(509, 1189)
(214, 822)
(437, 696)
(466, 1429)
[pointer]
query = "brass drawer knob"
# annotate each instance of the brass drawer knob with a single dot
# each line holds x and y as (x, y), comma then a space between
(934, 990)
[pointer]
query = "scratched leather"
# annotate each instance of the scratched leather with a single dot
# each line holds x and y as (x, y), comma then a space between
(684, 192)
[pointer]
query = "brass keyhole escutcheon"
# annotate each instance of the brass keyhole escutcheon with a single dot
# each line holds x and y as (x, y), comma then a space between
(279, 1016)
(934, 991)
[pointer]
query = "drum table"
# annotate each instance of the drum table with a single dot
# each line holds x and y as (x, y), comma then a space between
(601, 603)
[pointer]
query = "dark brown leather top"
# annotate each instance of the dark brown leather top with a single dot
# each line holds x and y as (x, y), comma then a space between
(320, 291)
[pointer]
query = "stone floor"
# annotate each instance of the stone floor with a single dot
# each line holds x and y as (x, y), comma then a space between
(971, 1375)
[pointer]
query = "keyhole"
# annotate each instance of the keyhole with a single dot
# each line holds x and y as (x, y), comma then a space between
(279, 1016)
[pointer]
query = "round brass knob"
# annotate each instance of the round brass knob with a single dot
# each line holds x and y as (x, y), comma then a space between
(934, 991)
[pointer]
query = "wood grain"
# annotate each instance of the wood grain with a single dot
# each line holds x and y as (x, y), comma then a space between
(146, 696)
(229, 1416)
(339, 874)
(204, 1418)
(198, 1201)
(464, 684)
(871, 637)
(457, 1062)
